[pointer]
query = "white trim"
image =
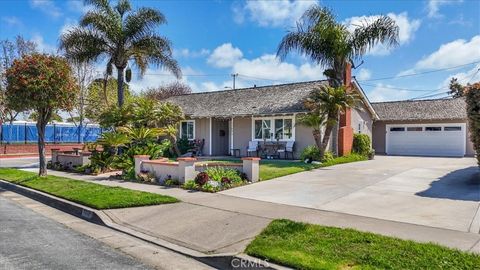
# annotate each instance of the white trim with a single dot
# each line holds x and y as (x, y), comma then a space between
(272, 127)
(210, 138)
(186, 121)
(423, 125)
(231, 134)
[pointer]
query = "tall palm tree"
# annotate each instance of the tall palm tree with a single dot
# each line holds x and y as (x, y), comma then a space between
(120, 34)
(332, 44)
(327, 102)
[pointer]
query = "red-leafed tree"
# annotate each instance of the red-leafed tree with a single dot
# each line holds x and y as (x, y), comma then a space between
(44, 84)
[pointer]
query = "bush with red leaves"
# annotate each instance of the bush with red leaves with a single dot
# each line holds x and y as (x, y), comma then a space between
(201, 178)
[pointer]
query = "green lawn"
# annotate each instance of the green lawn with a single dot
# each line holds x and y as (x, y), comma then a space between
(307, 246)
(89, 194)
(270, 169)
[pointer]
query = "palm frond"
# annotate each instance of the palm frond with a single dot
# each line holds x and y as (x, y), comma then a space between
(122, 7)
(141, 22)
(382, 30)
(83, 45)
(108, 25)
(100, 4)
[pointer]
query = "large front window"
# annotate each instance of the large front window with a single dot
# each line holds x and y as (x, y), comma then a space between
(273, 128)
(187, 130)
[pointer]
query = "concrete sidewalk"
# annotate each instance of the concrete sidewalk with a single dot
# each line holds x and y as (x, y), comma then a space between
(218, 223)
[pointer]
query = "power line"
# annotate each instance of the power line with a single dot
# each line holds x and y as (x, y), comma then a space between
(404, 89)
(419, 73)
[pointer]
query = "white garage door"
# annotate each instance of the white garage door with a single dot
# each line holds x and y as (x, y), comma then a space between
(426, 139)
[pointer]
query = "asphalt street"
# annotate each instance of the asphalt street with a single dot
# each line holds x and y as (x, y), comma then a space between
(31, 241)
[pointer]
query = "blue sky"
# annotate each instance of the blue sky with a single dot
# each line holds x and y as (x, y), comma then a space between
(213, 39)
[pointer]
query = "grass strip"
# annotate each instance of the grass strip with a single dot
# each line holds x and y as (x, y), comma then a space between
(90, 194)
(307, 246)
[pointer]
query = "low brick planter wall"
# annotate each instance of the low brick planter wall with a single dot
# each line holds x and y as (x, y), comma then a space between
(185, 169)
(70, 159)
(10, 149)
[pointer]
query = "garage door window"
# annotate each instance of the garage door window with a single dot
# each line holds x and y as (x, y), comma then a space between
(433, 129)
(452, 128)
(414, 129)
(397, 129)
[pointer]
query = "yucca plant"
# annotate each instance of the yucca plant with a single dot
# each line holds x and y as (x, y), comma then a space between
(140, 136)
(113, 140)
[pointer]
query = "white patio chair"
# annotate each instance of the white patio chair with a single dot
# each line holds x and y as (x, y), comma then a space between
(252, 147)
(288, 150)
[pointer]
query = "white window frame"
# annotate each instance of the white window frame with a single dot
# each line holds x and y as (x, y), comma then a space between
(187, 121)
(272, 127)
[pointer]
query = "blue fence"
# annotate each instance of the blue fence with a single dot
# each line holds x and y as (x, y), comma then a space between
(56, 133)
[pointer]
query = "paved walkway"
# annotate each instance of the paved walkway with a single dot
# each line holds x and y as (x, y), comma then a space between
(218, 223)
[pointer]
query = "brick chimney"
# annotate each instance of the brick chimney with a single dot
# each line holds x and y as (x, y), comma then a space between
(345, 131)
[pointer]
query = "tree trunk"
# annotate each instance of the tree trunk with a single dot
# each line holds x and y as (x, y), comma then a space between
(326, 137)
(120, 86)
(318, 138)
(173, 140)
(41, 124)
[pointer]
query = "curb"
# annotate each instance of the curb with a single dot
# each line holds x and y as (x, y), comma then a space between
(219, 261)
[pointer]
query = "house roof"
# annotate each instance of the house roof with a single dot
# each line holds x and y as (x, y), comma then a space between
(433, 109)
(264, 100)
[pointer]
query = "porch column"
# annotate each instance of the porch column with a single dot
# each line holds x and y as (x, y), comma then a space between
(210, 137)
(231, 136)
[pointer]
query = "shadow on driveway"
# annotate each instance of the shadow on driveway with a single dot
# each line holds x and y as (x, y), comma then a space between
(462, 184)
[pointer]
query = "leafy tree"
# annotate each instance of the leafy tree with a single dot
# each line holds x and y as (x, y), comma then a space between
(42, 83)
(101, 97)
(456, 89)
(472, 98)
(333, 44)
(121, 35)
(165, 91)
(9, 51)
(55, 117)
(327, 102)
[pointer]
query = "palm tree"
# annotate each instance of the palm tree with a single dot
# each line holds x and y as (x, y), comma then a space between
(332, 45)
(313, 120)
(121, 35)
(326, 103)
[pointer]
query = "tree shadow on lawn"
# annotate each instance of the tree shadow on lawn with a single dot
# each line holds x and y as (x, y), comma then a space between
(462, 184)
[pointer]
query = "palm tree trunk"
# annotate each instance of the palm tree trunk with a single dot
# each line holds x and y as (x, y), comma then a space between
(317, 137)
(173, 140)
(326, 137)
(120, 86)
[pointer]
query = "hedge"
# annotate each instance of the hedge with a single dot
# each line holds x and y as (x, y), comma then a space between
(472, 98)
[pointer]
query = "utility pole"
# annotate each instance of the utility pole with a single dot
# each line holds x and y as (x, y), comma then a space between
(234, 76)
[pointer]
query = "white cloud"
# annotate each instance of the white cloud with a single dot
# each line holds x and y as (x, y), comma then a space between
(47, 7)
(269, 67)
(433, 7)
(153, 78)
(384, 92)
(407, 28)
(12, 21)
(42, 46)
(78, 6)
(68, 24)
(272, 13)
(454, 53)
(469, 76)
(187, 53)
(225, 55)
(364, 74)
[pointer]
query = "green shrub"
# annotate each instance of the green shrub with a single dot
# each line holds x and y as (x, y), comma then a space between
(328, 156)
(183, 145)
(472, 98)
(190, 185)
(217, 173)
(171, 182)
(311, 153)
(361, 144)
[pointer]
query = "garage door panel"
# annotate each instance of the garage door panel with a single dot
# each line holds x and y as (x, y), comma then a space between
(428, 143)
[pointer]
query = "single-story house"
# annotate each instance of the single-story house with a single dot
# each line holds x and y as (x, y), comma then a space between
(425, 127)
(230, 119)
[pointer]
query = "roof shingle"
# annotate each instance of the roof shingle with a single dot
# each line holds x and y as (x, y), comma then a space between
(434, 109)
(274, 99)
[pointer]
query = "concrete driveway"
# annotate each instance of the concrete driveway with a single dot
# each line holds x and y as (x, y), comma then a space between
(436, 192)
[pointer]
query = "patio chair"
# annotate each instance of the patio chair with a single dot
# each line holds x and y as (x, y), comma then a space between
(252, 147)
(288, 150)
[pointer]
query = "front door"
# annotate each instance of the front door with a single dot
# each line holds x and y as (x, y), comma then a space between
(220, 137)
